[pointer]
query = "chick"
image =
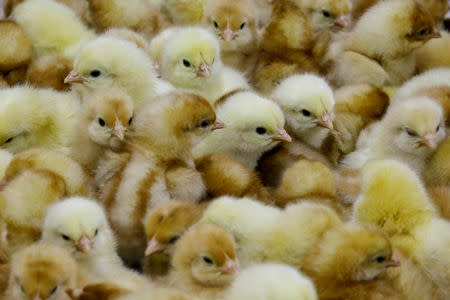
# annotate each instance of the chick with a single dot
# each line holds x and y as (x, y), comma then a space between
(16, 47)
(348, 260)
(42, 271)
(204, 261)
(235, 24)
(49, 176)
(409, 132)
(138, 15)
(433, 54)
(113, 62)
(253, 125)
(104, 123)
(191, 60)
(185, 12)
(164, 225)
(165, 132)
(440, 195)
(381, 55)
(53, 27)
(271, 282)
(37, 118)
(49, 71)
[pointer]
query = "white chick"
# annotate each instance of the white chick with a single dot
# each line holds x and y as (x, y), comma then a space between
(253, 125)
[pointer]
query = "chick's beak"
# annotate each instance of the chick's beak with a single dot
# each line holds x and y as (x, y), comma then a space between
(428, 141)
(153, 246)
(84, 244)
(282, 136)
(119, 131)
(231, 267)
(73, 77)
(343, 20)
(204, 70)
(325, 121)
(436, 35)
(37, 297)
(218, 125)
(394, 262)
(228, 34)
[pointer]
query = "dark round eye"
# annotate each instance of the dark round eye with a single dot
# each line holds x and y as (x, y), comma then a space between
(54, 290)
(130, 121)
(207, 260)
(326, 13)
(242, 25)
(95, 73)
(422, 32)
(410, 132)
(101, 122)
(261, 130)
(306, 113)
(9, 140)
(186, 63)
(380, 259)
(65, 237)
(204, 124)
(96, 232)
(216, 25)
(438, 127)
(174, 239)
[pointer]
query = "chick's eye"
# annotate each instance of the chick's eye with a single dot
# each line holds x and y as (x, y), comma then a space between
(54, 290)
(326, 13)
(186, 63)
(101, 122)
(9, 140)
(380, 259)
(261, 130)
(130, 121)
(204, 124)
(65, 237)
(422, 32)
(207, 260)
(438, 127)
(174, 239)
(96, 73)
(216, 25)
(242, 26)
(96, 232)
(306, 113)
(410, 132)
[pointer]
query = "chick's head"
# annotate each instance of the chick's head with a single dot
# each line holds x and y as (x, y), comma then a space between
(80, 226)
(307, 102)
(331, 14)
(41, 272)
(110, 117)
(206, 254)
(191, 58)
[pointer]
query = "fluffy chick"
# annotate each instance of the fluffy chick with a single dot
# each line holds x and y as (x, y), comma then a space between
(49, 176)
(40, 272)
(409, 132)
(105, 120)
(49, 71)
(53, 27)
(16, 48)
(165, 132)
(37, 118)
(235, 24)
(348, 260)
(253, 125)
(184, 12)
(204, 261)
(432, 55)
(271, 282)
(381, 55)
(137, 15)
(191, 60)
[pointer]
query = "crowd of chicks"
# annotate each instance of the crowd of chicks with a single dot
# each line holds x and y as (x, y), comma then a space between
(224, 150)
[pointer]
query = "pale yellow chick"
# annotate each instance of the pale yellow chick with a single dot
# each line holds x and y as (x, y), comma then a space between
(16, 48)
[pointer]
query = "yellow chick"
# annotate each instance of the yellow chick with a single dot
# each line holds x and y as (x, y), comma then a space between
(409, 132)
(433, 54)
(49, 176)
(381, 55)
(253, 125)
(104, 123)
(113, 62)
(191, 60)
(42, 272)
(165, 132)
(33, 118)
(185, 12)
(53, 27)
(235, 24)
(16, 48)
(204, 261)
(49, 71)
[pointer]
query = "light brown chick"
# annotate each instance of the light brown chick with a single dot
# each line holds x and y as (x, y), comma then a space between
(204, 261)
(16, 48)
(49, 71)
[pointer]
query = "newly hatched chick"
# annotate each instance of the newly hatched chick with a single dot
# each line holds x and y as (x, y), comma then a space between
(16, 48)
(184, 12)
(113, 62)
(32, 118)
(104, 123)
(409, 132)
(165, 132)
(235, 24)
(138, 15)
(53, 27)
(49, 71)
(48, 177)
(164, 225)
(381, 55)
(253, 125)
(434, 54)
(348, 261)
(204, 261)
(191, 60)
(42, 272)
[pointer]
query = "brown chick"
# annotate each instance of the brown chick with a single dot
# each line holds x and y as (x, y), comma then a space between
(204, 262)
(224, 175)
(348, 262)
(165, 132)
(40, 272)
(235, 24)
(164, 225)
(49, 71)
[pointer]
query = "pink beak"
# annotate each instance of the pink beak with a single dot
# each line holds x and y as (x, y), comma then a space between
(325, 121)
(73, 77)
(204, 70)
(119, 131)
(37, 297)
(218, 125)
(428, 141)
(436, 35)
(343, 21)
(228, 35)
(395, 262)
(84, 244)
(153, 246)
(231, 267)
(282, 136)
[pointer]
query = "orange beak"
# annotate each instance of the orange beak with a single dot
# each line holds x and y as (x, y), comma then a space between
(153, 246)
(218, 125)
(282, 136)
(73, 77)
(84, 244)
(343, 21)
(231, 267)
(119, 131)
(204, 70)
(228, 34)
(325, 121)
(428, 141)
